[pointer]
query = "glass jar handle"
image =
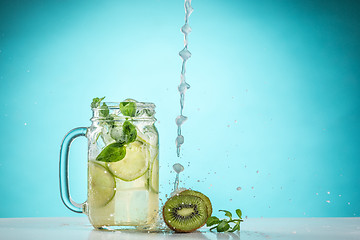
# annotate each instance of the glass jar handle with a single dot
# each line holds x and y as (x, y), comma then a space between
(64, 169)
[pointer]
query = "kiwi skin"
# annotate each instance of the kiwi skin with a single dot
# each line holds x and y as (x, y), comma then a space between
(179, 230)
(200, 195)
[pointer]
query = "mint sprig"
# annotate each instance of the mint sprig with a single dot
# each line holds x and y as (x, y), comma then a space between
(128, 108)
(223, 225)
(96, 102)
(104, 110)
(123, 134)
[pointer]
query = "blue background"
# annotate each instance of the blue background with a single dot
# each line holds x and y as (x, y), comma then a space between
(273, 107)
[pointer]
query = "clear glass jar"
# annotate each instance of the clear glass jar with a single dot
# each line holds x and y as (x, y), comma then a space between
(123, 166)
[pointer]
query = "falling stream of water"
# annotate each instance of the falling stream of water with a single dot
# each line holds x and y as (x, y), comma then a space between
(185, 55)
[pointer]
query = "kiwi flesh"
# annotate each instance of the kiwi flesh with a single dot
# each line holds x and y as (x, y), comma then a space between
(200, 195)
(185, 213)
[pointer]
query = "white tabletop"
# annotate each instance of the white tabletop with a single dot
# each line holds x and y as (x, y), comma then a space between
(258, 228)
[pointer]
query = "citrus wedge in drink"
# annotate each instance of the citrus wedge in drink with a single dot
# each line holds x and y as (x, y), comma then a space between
(101, 185)
(154, 175)
(134, 164)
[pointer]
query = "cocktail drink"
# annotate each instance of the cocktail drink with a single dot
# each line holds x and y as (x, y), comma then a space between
(123, 166)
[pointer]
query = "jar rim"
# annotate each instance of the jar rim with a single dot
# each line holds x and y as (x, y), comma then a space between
(115, 105)
(143, 111)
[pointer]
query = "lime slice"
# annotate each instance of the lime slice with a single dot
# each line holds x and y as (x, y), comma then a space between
(101, 185)
(154, 177)
(134, 164)
(144, 138)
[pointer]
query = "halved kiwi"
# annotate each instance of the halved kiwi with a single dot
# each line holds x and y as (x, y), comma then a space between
(185, 213)
(200, 195)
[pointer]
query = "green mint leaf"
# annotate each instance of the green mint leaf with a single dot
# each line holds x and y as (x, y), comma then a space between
(104, 110)
(239, 213)
(236, 227)
(128, 108)
(112, 153)
(96, 102)
(227, 213)
(129, 132)
(110, 120)
(223, 226)
(212, 221)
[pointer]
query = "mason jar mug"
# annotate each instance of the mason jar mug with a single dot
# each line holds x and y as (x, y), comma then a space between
(123, 166)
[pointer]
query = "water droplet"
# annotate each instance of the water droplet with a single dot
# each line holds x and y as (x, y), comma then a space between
(328, 201)
(186, 29)
(238, 188)
(25, 124)
(180, 120)
(317, 193)
(328, 192)
(185, 54)
(183, 87)
(179, 140)
(178, 168)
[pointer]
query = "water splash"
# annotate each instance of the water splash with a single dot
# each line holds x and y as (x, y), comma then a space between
(178, 168)
(185, 54)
